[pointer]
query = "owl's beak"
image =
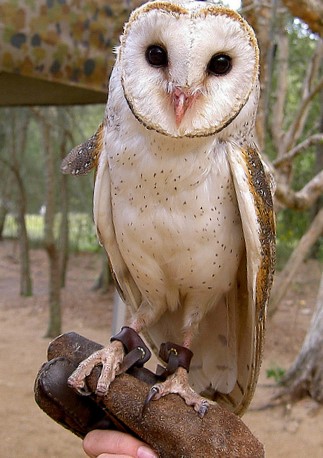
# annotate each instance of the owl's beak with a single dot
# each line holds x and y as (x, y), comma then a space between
(182, 100)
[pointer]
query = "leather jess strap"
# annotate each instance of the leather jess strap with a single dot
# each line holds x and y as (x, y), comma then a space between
(137, 352)
(175, 356)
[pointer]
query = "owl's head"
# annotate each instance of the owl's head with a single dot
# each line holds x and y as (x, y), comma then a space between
(188, 67)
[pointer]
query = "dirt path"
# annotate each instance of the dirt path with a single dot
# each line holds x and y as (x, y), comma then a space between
(26, 432)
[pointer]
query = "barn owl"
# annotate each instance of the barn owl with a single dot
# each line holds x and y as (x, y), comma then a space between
(182, 202)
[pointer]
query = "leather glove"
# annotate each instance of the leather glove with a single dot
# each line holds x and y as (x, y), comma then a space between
(168, 425)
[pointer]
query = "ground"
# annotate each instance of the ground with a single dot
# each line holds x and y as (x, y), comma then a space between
(25, 431)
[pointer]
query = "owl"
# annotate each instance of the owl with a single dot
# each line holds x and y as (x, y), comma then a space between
(182, 201)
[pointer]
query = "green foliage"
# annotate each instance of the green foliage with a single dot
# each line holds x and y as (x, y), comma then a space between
(291, 224)
(303, 168)
(301, 48)
(276, 372)
(82, 236)
(81, 122)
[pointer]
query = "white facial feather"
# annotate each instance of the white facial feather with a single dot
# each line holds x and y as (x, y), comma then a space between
(191, 36)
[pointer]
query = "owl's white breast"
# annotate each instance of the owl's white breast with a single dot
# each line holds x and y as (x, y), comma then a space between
(175, 214)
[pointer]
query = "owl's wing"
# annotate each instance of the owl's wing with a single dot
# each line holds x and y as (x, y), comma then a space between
(258, 222)
(103, 218)
(80, 161)
(84, 157)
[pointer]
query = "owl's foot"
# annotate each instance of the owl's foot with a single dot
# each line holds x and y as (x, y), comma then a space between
(178, 383)
(178, 361)
(110, 358)
(125, 350)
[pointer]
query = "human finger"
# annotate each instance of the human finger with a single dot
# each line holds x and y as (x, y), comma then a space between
(106, 444)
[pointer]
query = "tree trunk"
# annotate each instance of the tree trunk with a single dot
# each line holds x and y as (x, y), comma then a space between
(54, 321)
(318, 167)
(305, 377)
(64, 204)
(3, 215)
(104, 279)
(64, 231)
(296, 258)
(261, 16)
(25, 275)
(6, 192)
(18, 142)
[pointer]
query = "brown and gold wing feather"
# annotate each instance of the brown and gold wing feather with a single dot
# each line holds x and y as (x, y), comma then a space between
(84, 157)
(258, 221)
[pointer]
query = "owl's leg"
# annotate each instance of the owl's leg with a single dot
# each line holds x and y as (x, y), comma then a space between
(178, 359)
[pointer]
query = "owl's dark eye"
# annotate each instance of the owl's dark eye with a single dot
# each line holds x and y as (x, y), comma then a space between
(157, 56)
(220, 65)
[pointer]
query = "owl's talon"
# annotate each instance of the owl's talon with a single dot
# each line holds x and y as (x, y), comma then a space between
(202, 408)
(153, 393)
(101, 390)
(79, 386)
(83, 391)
